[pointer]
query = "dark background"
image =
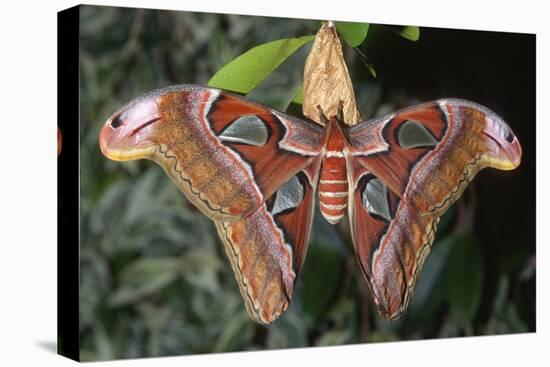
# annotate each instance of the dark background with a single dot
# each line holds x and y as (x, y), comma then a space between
(154, 279)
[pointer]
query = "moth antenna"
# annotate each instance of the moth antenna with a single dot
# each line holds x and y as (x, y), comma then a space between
(322, 117)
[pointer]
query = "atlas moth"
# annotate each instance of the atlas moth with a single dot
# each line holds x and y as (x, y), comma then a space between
(256, 172)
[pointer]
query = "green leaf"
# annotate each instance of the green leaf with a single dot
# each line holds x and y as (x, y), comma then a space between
(382, 336)
(238, 329)
(248, 70)
(372, 72)
(334, 337)
(299, 96)
(200, 268)
(144, 277)
(103, 344)
(412, 33)
(288, 331)
(321, 273)
(353, 33)
(505, 317)
(464, 279)
(428, 291)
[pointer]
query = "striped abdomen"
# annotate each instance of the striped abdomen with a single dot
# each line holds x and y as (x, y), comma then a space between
(333, 187)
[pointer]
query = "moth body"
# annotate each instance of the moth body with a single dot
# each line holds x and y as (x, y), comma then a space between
(333, 182)
(254, 171)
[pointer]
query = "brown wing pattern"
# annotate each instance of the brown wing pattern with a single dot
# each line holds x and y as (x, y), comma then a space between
(226, 154)
(254, 172)
(397, 194)
(391, 241)
(249, 168)
(267, 248)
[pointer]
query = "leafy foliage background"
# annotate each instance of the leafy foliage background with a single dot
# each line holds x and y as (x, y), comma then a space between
(154, 279)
